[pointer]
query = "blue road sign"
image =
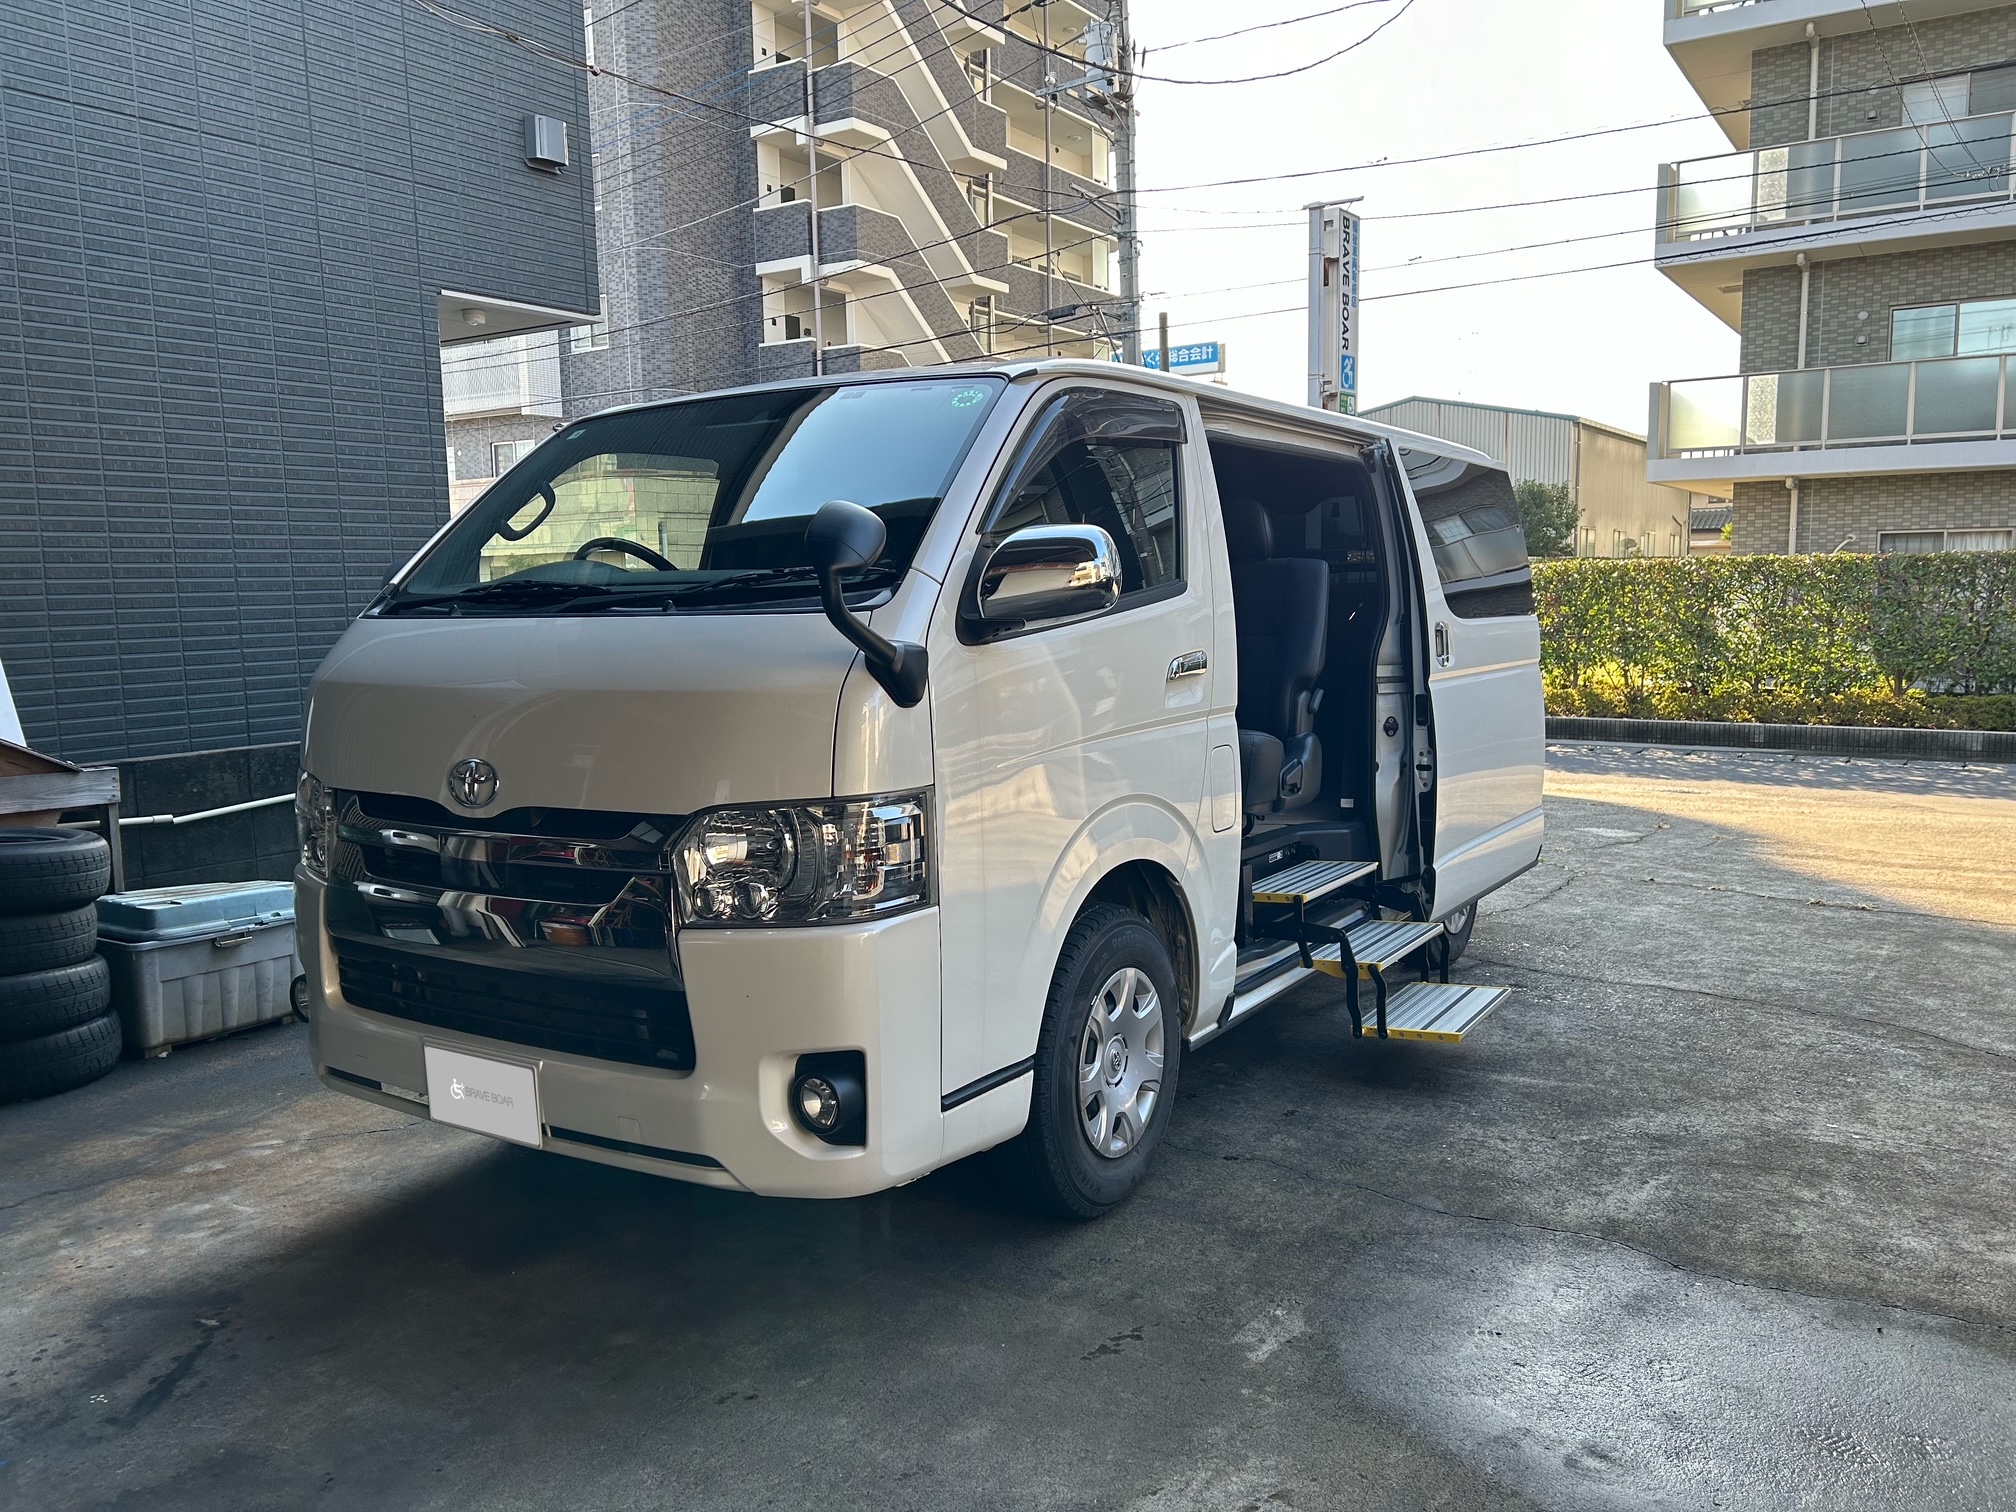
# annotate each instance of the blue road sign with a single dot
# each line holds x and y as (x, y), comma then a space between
(1192, 357)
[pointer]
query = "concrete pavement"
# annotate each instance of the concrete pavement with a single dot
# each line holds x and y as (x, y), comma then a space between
(1715, 1213)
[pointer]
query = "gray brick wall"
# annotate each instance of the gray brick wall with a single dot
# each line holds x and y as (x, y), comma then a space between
(1853, 294)
(1833, 509)
(1859, 69)
(223, 229)
(471, 439)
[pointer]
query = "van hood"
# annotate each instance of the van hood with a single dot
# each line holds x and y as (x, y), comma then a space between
(659, 714)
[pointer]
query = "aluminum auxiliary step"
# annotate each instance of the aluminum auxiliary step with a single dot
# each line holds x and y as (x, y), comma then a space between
(1309, 880)
(1441, 1011)
(1375, 945)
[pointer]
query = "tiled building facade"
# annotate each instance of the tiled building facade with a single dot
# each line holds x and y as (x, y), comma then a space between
(226, 234)
(968, 158)
(1865, 246)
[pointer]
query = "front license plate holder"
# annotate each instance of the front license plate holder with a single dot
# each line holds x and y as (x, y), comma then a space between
(498, 1098)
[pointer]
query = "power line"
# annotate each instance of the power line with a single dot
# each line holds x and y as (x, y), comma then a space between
(1287, 73)
(1335, 10)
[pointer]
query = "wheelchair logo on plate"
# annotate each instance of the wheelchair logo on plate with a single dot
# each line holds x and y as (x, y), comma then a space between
(455, 1088)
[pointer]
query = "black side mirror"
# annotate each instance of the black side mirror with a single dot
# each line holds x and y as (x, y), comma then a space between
(844, 537)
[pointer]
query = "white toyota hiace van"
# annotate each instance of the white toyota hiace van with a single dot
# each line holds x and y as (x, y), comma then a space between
(798, 788)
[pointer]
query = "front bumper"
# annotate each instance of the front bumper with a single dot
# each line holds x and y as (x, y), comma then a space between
(758, 999)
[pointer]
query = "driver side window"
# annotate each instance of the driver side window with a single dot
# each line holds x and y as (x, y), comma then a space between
(1110, 460)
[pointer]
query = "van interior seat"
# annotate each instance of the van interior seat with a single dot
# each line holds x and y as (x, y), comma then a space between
(1281, 606)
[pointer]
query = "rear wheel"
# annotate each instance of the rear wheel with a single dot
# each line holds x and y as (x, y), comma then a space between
(1457, 925)
(1105, 1076)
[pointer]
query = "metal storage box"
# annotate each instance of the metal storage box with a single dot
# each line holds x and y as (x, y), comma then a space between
(190, 963)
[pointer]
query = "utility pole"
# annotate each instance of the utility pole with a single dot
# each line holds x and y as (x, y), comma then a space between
(1049, 234)
(1333, 306)
(1130, 236)
(812, 198)
(1162, 324)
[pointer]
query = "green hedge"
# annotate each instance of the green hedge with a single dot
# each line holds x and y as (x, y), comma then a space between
(1911, 640)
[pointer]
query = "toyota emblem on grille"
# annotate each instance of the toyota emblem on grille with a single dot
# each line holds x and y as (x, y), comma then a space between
(472, 783)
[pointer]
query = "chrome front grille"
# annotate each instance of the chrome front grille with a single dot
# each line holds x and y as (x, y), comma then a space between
(544, 927)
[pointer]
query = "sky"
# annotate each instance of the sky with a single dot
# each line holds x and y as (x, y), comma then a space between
(1443, 76)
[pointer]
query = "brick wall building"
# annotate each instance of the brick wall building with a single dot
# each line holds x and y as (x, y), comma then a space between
(231, 242)
(967, 160)
(1864, 243)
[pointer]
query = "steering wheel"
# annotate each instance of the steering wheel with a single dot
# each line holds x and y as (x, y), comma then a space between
(617, 543)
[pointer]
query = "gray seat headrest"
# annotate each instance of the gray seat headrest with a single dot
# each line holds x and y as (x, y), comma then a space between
(1249, 532)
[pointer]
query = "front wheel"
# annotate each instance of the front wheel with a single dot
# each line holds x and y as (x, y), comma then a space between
(1105, 1076)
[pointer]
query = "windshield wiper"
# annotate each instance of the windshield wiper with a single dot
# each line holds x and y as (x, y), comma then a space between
(504, 590)
(803, 572)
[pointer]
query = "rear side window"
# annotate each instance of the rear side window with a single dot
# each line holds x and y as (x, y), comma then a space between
(1109, 460)
(1474, 533)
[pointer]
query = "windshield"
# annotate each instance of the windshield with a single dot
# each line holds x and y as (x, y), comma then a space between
(702, 504)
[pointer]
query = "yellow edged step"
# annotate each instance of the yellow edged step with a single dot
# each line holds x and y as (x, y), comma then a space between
(1377, 944)
(1440, 1011)
(1310, 880)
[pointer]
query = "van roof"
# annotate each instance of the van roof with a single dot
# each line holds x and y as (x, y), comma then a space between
(1212, 396)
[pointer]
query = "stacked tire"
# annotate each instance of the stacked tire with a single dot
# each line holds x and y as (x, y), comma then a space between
(57, 1027)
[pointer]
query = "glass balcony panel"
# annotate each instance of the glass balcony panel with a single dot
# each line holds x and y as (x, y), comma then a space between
(1767, 199)
(1809, 183)
(1783, 409)
(1957, 397)
(1869, 403)
(1880, 170)
(1702, 415)
(1968, 159)
(1708, 198)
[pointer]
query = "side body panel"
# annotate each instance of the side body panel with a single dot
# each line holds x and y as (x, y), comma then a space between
(1062, 753)
(1490, 735)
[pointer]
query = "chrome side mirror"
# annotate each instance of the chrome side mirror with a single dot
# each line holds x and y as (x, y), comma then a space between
(1043, 574)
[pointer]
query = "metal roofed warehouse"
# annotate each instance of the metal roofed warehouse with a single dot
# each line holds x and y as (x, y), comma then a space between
(1603, 466)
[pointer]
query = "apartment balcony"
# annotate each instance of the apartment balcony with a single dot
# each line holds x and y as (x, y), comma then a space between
(1943, 415)
(1889, 190)
(1712, 40)
(517, 375)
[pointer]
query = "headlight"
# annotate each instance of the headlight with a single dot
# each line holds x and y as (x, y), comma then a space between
(808, 863)
(314, 823)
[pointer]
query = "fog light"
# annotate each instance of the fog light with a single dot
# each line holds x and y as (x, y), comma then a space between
(818, 1104)
(829, 1096)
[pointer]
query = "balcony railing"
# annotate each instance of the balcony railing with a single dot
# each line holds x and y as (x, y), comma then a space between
(1685, 8)
(512, 375)
(1898, 169)
(1885, 403)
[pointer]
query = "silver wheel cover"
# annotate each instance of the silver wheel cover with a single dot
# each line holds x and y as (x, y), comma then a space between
(1120, 1062)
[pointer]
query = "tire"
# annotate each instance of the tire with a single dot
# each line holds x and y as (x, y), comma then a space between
(58, 1062)
(1053, 1163)
(1458, 924)
(45, 871)
(40, 1003)
(42, 942)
